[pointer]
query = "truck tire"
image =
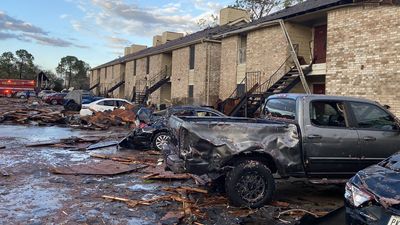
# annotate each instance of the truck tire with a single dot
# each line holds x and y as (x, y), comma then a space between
(54, 102)
(250, 184)
(160, 139)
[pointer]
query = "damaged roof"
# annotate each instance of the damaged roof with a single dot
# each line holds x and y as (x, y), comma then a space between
(296, 10)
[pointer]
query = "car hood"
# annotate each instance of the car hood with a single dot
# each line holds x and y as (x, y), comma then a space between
(382, 181)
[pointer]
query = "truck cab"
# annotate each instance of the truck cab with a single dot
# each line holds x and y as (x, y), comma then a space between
(340, 135)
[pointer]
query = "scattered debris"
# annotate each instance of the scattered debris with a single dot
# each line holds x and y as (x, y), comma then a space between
(4, 173)
(102, 145)
(73, 143)
(102, 168)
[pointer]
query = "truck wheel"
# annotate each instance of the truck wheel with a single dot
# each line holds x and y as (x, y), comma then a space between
(54, 102)
(250, 184)
(160, 140)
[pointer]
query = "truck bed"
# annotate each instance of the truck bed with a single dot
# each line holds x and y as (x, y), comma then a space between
(214, 141)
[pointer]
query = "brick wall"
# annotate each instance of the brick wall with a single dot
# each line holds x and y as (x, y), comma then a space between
(229, 55)
(214, 70)
(180, 75)
(206, 66)
(267, 49)
(129, 79)
(363, 57)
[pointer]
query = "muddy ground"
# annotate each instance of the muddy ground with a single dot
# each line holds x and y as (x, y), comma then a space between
(31, 194)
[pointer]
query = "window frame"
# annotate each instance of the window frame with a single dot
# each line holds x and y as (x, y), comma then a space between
(348, 114)
(355, 121)
(147, 64)
(192, 56)
(134, 67)
(282, 118)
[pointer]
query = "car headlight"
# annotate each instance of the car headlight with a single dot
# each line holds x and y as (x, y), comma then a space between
(356, 196)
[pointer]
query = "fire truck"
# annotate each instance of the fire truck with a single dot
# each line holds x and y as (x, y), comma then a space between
(9, 87)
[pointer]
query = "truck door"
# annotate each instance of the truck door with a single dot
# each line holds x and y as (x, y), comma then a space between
(378, 130)
(330, 145)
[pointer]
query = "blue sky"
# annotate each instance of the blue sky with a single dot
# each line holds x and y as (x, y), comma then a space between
(95, 31)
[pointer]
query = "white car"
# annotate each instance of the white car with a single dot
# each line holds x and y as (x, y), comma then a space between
(103, 105)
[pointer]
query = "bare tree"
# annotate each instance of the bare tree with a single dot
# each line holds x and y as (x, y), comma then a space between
(260, 8)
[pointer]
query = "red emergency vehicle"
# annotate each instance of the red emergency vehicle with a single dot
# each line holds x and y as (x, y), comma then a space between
(8, 87)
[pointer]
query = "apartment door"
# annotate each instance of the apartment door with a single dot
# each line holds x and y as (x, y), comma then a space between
(319, 89)
(320, 39)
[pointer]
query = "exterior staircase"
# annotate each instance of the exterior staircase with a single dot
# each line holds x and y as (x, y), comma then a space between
(95, 85)
(248, 103)
(118, 84)
(148, 86)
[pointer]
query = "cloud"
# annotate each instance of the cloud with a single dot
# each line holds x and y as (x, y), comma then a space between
(11, 28)
(57, 42)
(140, 21)
(64, 16)
(12, 24)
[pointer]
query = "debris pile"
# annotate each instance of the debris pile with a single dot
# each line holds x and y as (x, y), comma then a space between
(117, 117)
(24, 111)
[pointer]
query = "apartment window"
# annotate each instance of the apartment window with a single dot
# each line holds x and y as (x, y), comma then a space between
(191, 91)
(192, 57)
(242, 49)
(148, 65)
(134, 67)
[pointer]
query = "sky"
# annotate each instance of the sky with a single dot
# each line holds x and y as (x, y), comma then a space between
(95, 31)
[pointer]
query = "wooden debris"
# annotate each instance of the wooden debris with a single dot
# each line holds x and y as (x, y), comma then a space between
(106, 168)
(280, 204)
(187, 189)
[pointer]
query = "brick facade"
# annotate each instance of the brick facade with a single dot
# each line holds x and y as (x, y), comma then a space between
(363, 57)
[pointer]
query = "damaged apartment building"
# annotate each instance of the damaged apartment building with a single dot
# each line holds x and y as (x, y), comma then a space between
(335, 47)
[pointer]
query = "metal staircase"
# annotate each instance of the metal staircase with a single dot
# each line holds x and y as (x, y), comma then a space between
(148, 86)
(118, 84)
(247, 103)
(95, 85)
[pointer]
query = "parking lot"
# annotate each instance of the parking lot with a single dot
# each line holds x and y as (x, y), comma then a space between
(32, 192)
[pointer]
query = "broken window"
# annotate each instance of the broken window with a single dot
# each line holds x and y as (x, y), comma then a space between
(242, 49)
(281, 108)
(328, 114)
(192, 57)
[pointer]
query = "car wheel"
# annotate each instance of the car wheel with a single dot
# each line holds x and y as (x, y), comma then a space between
(160, 140)
(9, 95)
(22, 96)
(250, 184)
(54, 102)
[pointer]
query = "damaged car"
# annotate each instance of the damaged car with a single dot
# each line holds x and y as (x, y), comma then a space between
(154, 133)
(304, 136)
(373, 195)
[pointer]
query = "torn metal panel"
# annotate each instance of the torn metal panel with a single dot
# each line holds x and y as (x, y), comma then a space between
(214, 142)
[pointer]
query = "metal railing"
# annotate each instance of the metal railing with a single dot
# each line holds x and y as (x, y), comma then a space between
(276, 76)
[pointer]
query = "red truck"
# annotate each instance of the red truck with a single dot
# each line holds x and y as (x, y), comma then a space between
(9, 87)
